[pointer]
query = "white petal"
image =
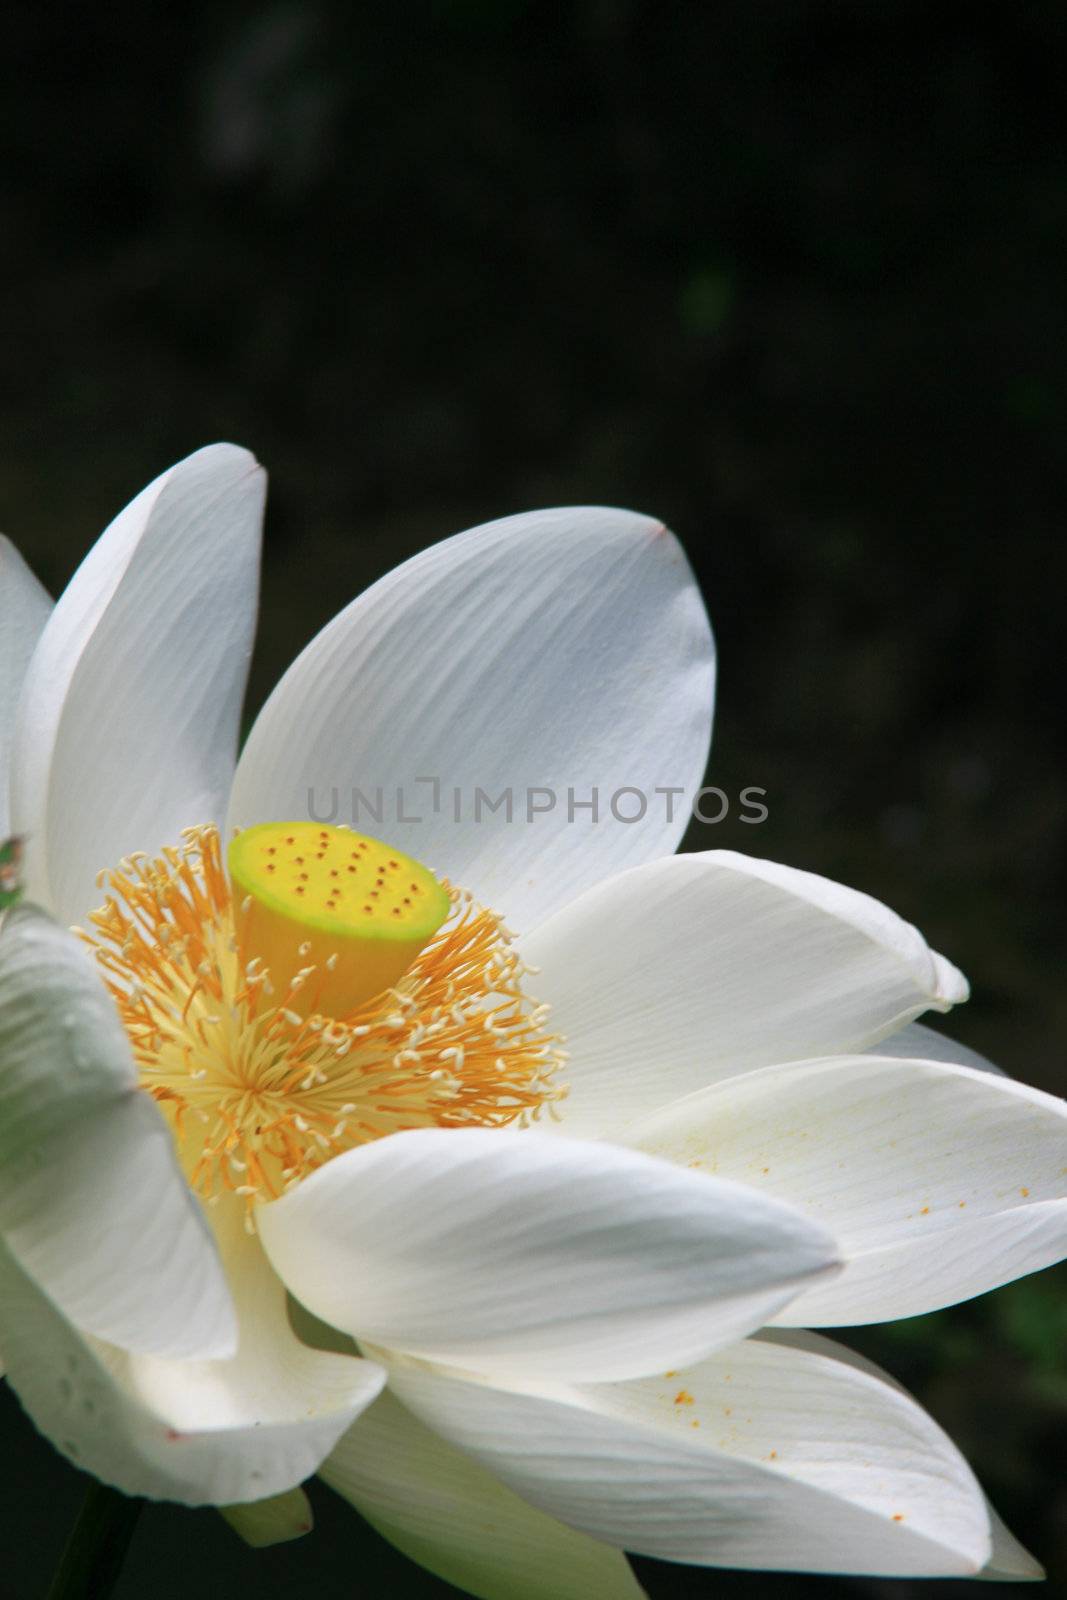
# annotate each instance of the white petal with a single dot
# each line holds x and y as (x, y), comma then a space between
(766, 1455)
(200, 1432)
(1010, 1561)
(1008, 1558)
(128, 722)
(441, 1509)
(63, 1049)
(517, 1253)
(919, 1043)
(939, 1181)
(563, 649)
(92, 1202)
(24, 608)
(684, 971)
(275, 1521)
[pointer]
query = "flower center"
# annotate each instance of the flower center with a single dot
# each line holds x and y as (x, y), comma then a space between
(279, 1035)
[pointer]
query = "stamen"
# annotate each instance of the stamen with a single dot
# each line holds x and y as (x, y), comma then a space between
(261, 1092)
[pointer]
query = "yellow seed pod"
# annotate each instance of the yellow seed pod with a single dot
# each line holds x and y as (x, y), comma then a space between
(309, 895)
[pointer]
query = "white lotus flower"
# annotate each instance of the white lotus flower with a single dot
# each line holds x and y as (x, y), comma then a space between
(747, 1107)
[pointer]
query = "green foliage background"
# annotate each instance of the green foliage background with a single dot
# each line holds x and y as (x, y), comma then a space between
(788, 274)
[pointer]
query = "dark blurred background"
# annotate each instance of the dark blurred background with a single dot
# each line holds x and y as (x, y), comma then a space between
(788, 275)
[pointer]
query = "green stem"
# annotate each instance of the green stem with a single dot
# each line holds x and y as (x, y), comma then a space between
(97, 1546)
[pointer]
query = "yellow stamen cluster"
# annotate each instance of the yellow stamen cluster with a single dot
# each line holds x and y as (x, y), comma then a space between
(261, 1091)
